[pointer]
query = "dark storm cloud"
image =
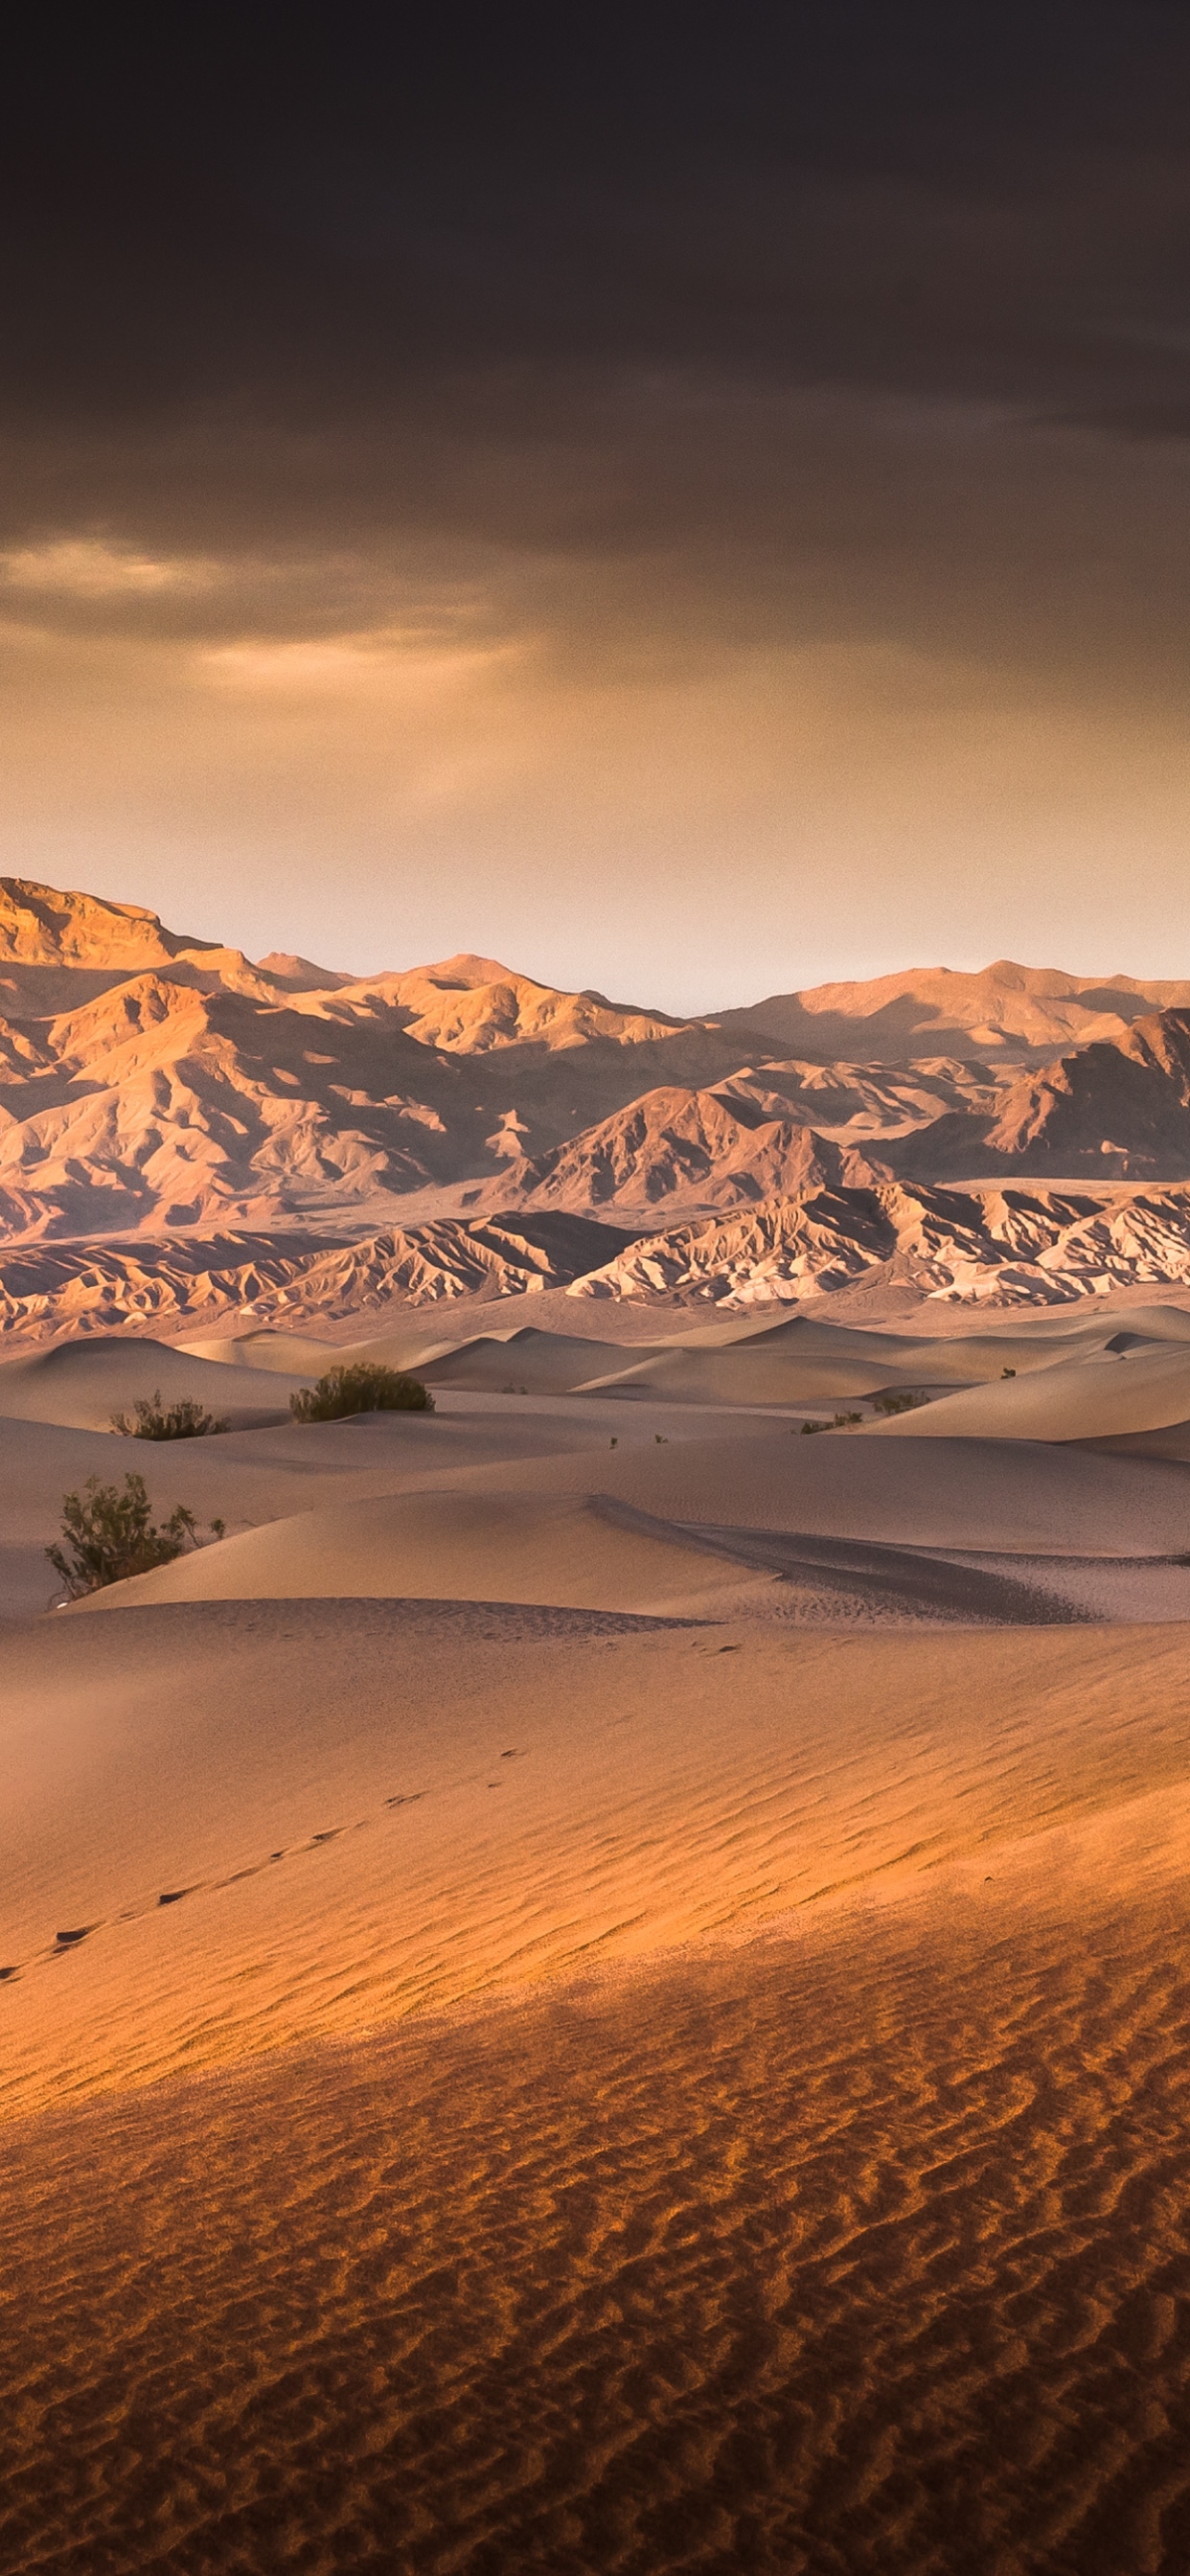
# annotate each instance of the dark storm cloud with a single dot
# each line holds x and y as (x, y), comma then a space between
(830, 318)
(316, 213)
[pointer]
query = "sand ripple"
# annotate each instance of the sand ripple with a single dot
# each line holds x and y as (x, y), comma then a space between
(851, 2255)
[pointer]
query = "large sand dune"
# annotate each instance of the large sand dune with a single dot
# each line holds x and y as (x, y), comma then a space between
(602, 1984)
(772, 1526)
(556, 1550)
(433, 1803)
(1094, 1396)
(863, 2241)
(85, 1383)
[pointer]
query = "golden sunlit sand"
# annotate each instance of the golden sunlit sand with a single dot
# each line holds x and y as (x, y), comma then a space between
(602, 1983)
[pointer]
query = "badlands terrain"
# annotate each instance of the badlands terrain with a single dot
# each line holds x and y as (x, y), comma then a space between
(601, 1983)
(185, 1135)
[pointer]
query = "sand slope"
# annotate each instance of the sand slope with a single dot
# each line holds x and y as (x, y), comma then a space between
(524, 1362)
(1092, 1397)
(582, 2068)
(864, 2253)
(654, 1787)
(764, 1526)
(753, 1373)
(448, 1547)
(84, 1383)
(257, 1476)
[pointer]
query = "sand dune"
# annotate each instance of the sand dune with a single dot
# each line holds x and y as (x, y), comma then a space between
(525, 1361)
(603, 1984)
(1026, 1497)
(529, 2208)
(492, 1815)
(556, 1551)
(1028, 1341)
(251, 1478)
(84, 1383)
(1102, 1393)
(289, 1354)
(754, 1373)
(858, 2251)
(1172, 1441)
(722, 1527)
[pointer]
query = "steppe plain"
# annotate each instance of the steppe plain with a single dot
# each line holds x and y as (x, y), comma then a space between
(602, 1983)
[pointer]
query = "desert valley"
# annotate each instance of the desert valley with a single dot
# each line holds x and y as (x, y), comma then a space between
(618, 1943)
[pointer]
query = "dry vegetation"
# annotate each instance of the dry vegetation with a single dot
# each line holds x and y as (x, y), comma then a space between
(108, 1535)
(366, 1388)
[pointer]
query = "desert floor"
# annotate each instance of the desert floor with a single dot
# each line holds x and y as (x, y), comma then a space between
(604, 1984)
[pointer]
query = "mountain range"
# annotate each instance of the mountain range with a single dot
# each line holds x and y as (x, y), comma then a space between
(161, 1090)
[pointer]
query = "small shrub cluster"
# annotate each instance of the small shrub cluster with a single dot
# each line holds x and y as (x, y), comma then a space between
(901, 1401)
(109, 1535)
(842, 1422)
(365, 1388)
(182, 1421)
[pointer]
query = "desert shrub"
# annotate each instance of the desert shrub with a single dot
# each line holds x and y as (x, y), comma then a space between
(366, 1388)
(182, 1421)
(901, 1402)
(108, 1535)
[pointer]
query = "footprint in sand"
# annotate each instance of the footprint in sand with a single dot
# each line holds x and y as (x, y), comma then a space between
(69, 1940)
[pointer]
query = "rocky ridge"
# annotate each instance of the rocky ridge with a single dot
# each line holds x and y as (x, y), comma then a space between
(48, 1290)
(181, 1130)
(1004, 1247)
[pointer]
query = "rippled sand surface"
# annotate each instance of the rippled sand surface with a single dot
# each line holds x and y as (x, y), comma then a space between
(602, 2001)
(864, 2250)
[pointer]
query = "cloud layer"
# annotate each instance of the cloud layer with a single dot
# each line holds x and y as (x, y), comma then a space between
(699, 512)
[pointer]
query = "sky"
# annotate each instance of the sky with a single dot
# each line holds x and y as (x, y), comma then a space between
(688, 503)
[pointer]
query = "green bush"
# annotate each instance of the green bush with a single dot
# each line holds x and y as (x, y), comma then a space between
(901, 1402)
(110, 1535)
(183, 1421)
(366, 1388)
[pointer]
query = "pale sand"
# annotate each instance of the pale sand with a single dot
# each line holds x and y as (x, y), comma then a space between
(628, 1529)
(84, 1383)
(263, 1475)
(1096, 1395)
